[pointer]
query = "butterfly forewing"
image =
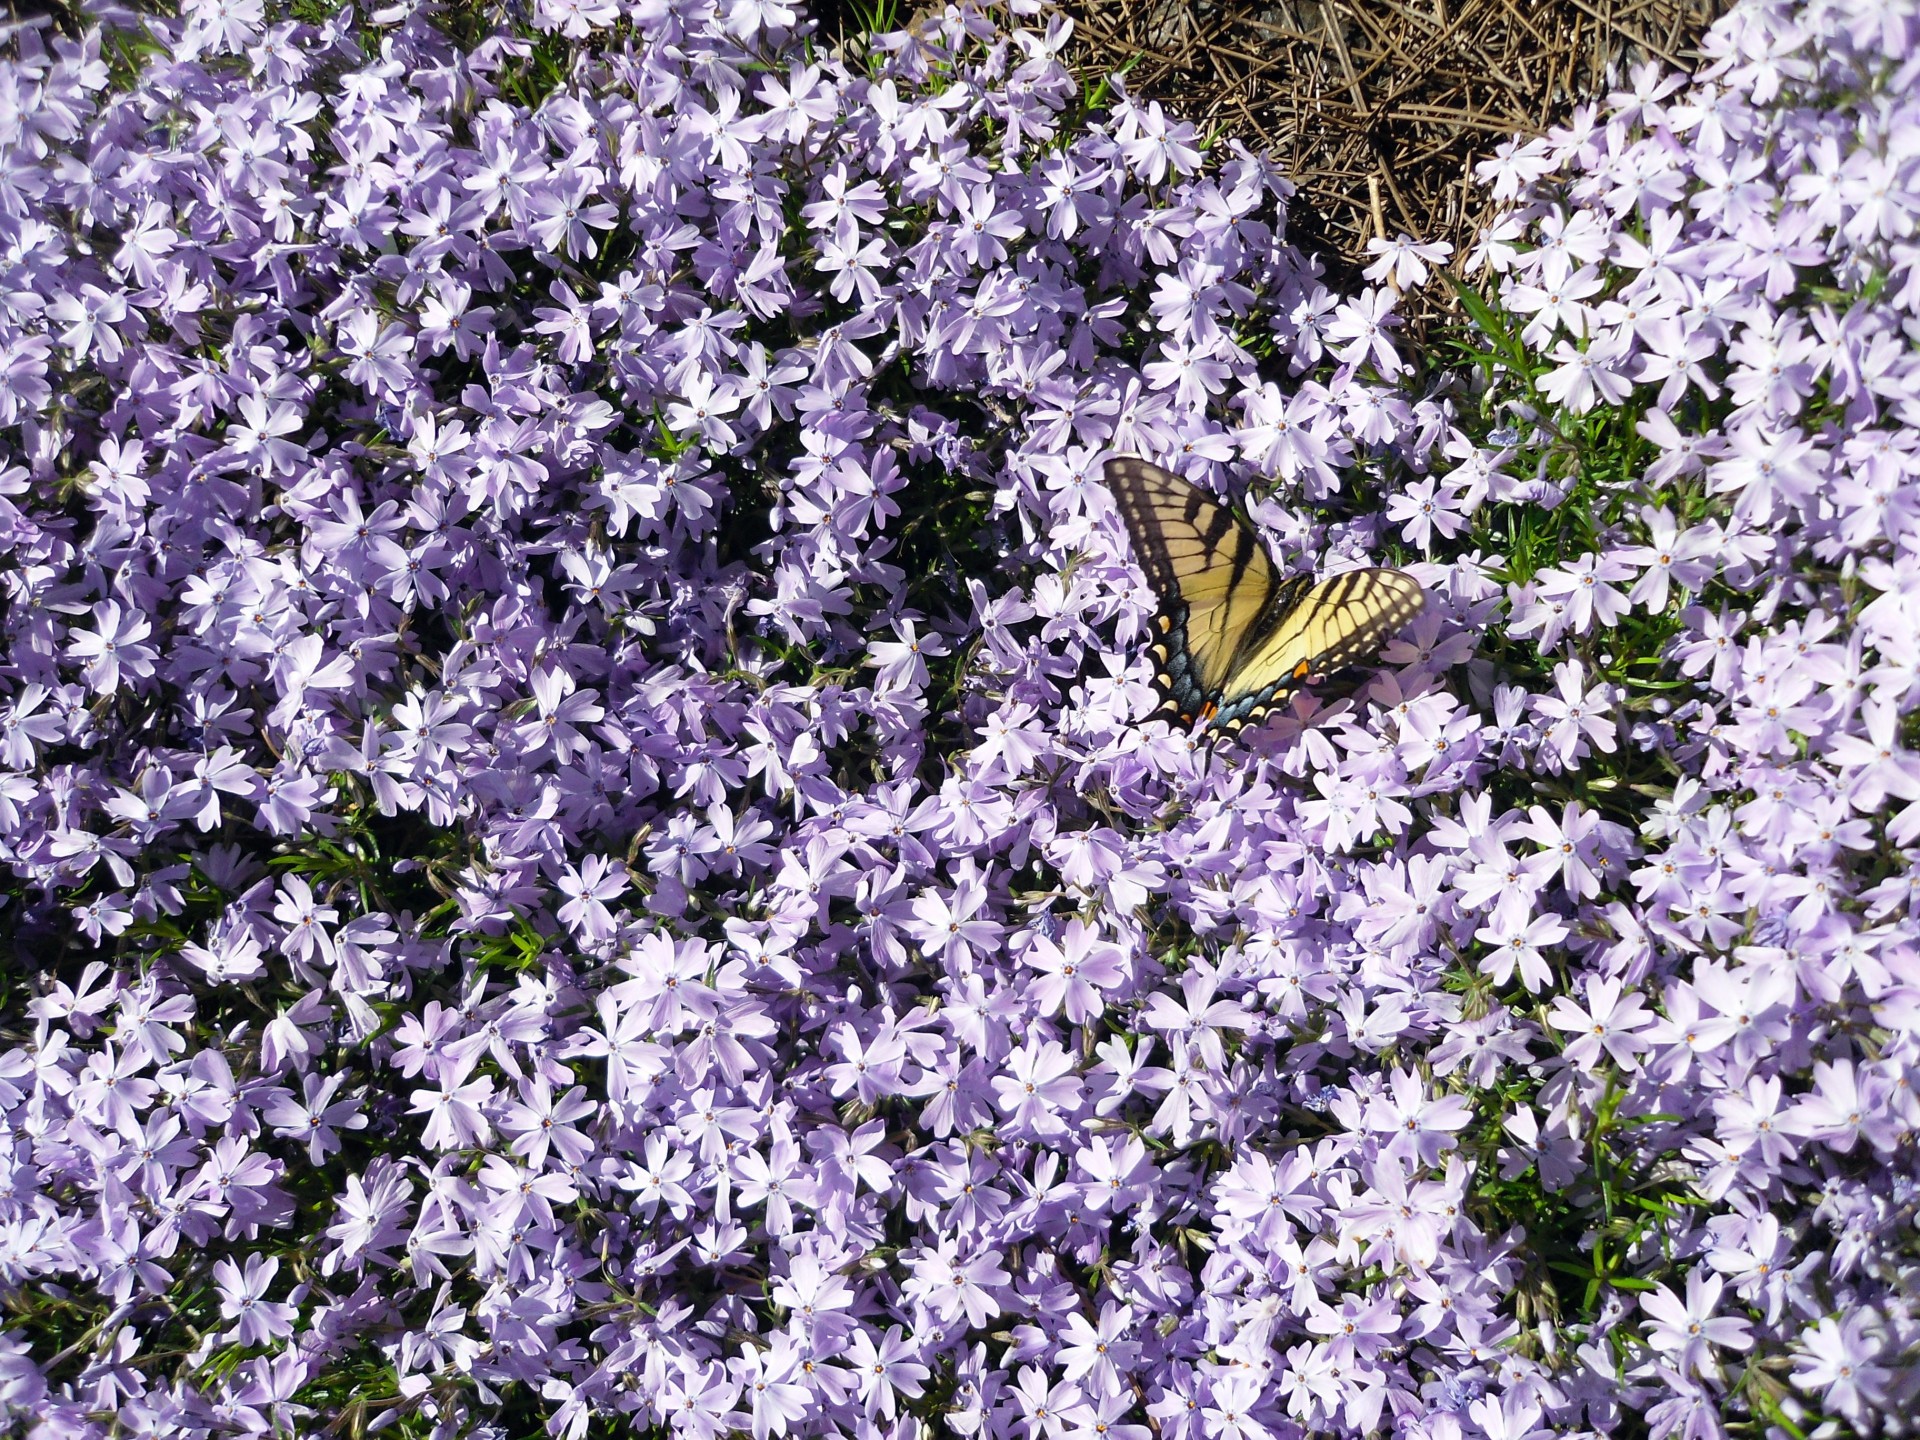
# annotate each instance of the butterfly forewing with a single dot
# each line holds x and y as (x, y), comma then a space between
(1209, 570)
(1233, 636)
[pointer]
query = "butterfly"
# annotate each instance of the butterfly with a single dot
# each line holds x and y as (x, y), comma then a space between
(1234, 635)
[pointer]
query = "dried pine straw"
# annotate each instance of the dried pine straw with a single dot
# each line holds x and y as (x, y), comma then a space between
(1379, 110)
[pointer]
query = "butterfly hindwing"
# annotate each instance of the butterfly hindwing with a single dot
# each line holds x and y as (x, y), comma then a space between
(1232, 634)
(1339, 622)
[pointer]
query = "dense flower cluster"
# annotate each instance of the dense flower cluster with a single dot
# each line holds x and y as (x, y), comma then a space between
(1732, 269)
(574, 795)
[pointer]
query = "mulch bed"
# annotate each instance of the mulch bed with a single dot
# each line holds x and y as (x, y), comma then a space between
(1379, 110)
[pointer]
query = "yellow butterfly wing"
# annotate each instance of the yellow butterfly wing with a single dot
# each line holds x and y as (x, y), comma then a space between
(1341, 621)
(1233, 635)
(1209, 570)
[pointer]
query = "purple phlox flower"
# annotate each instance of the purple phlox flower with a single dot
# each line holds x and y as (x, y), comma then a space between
(104, 915)
(663, 978)
(778, 1179)
(426, 730)
(1420, 1128)
(1118, 1175)
(1582, 379)
(113, 649)
(257, 1320)
(303, 666)
(377, 356)
(260, 437)
(1837, 1357)
(1875, 763)
(588, 887)
(154, 1152)
(901, 663)
(1580, 840)
(80, 1005)
(540, 1120)
(1011, 741)
(1075, 972)
(1522, 945)
(953, 1288)
(1510, 1416)
(1606, 1025)
(455, 1117)
(1482, 1045)
(562, 215)
(1292, 434)
(500, 1024)
(440, 449)
(1361, 331)
(536, 1191)
(657, 1178)
(1402, 261)
(1775, 363)
(846, 1161)
(698, 1400)
(951, 925)
(1689, 1330)
(1586, 591)
(1506, 885)
(24, 727)
(1555, 304)
(1401, 1221)
(981, 229)
(316, 1117)
(1266, 1196)
(1426, 507)
(145, 1021)
(1683, 452)
(961, 1091)
(885, 1370)
(1575, 716)
(795, 107)
(1751, 1123)
(1845, 1106)
(306, 920)
(1237, 1408)
(1038, 1084)
(369, 1216)
(1755, 1254)
(239, 1178)
(872, 1066)
(770, 1384)
(440, 1341)
(91, 316)
(449, 321)
(1152, 144)
(561, 708)
(1195, 1021)
(1050, 1408)
(1194, 372)
(702, 409)
(1768, 469)
(1359, 1327)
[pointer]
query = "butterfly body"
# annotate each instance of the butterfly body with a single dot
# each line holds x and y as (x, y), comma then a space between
(1233, 635)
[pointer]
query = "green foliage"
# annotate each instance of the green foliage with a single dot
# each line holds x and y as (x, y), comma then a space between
(314, 12)
(547, 64)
